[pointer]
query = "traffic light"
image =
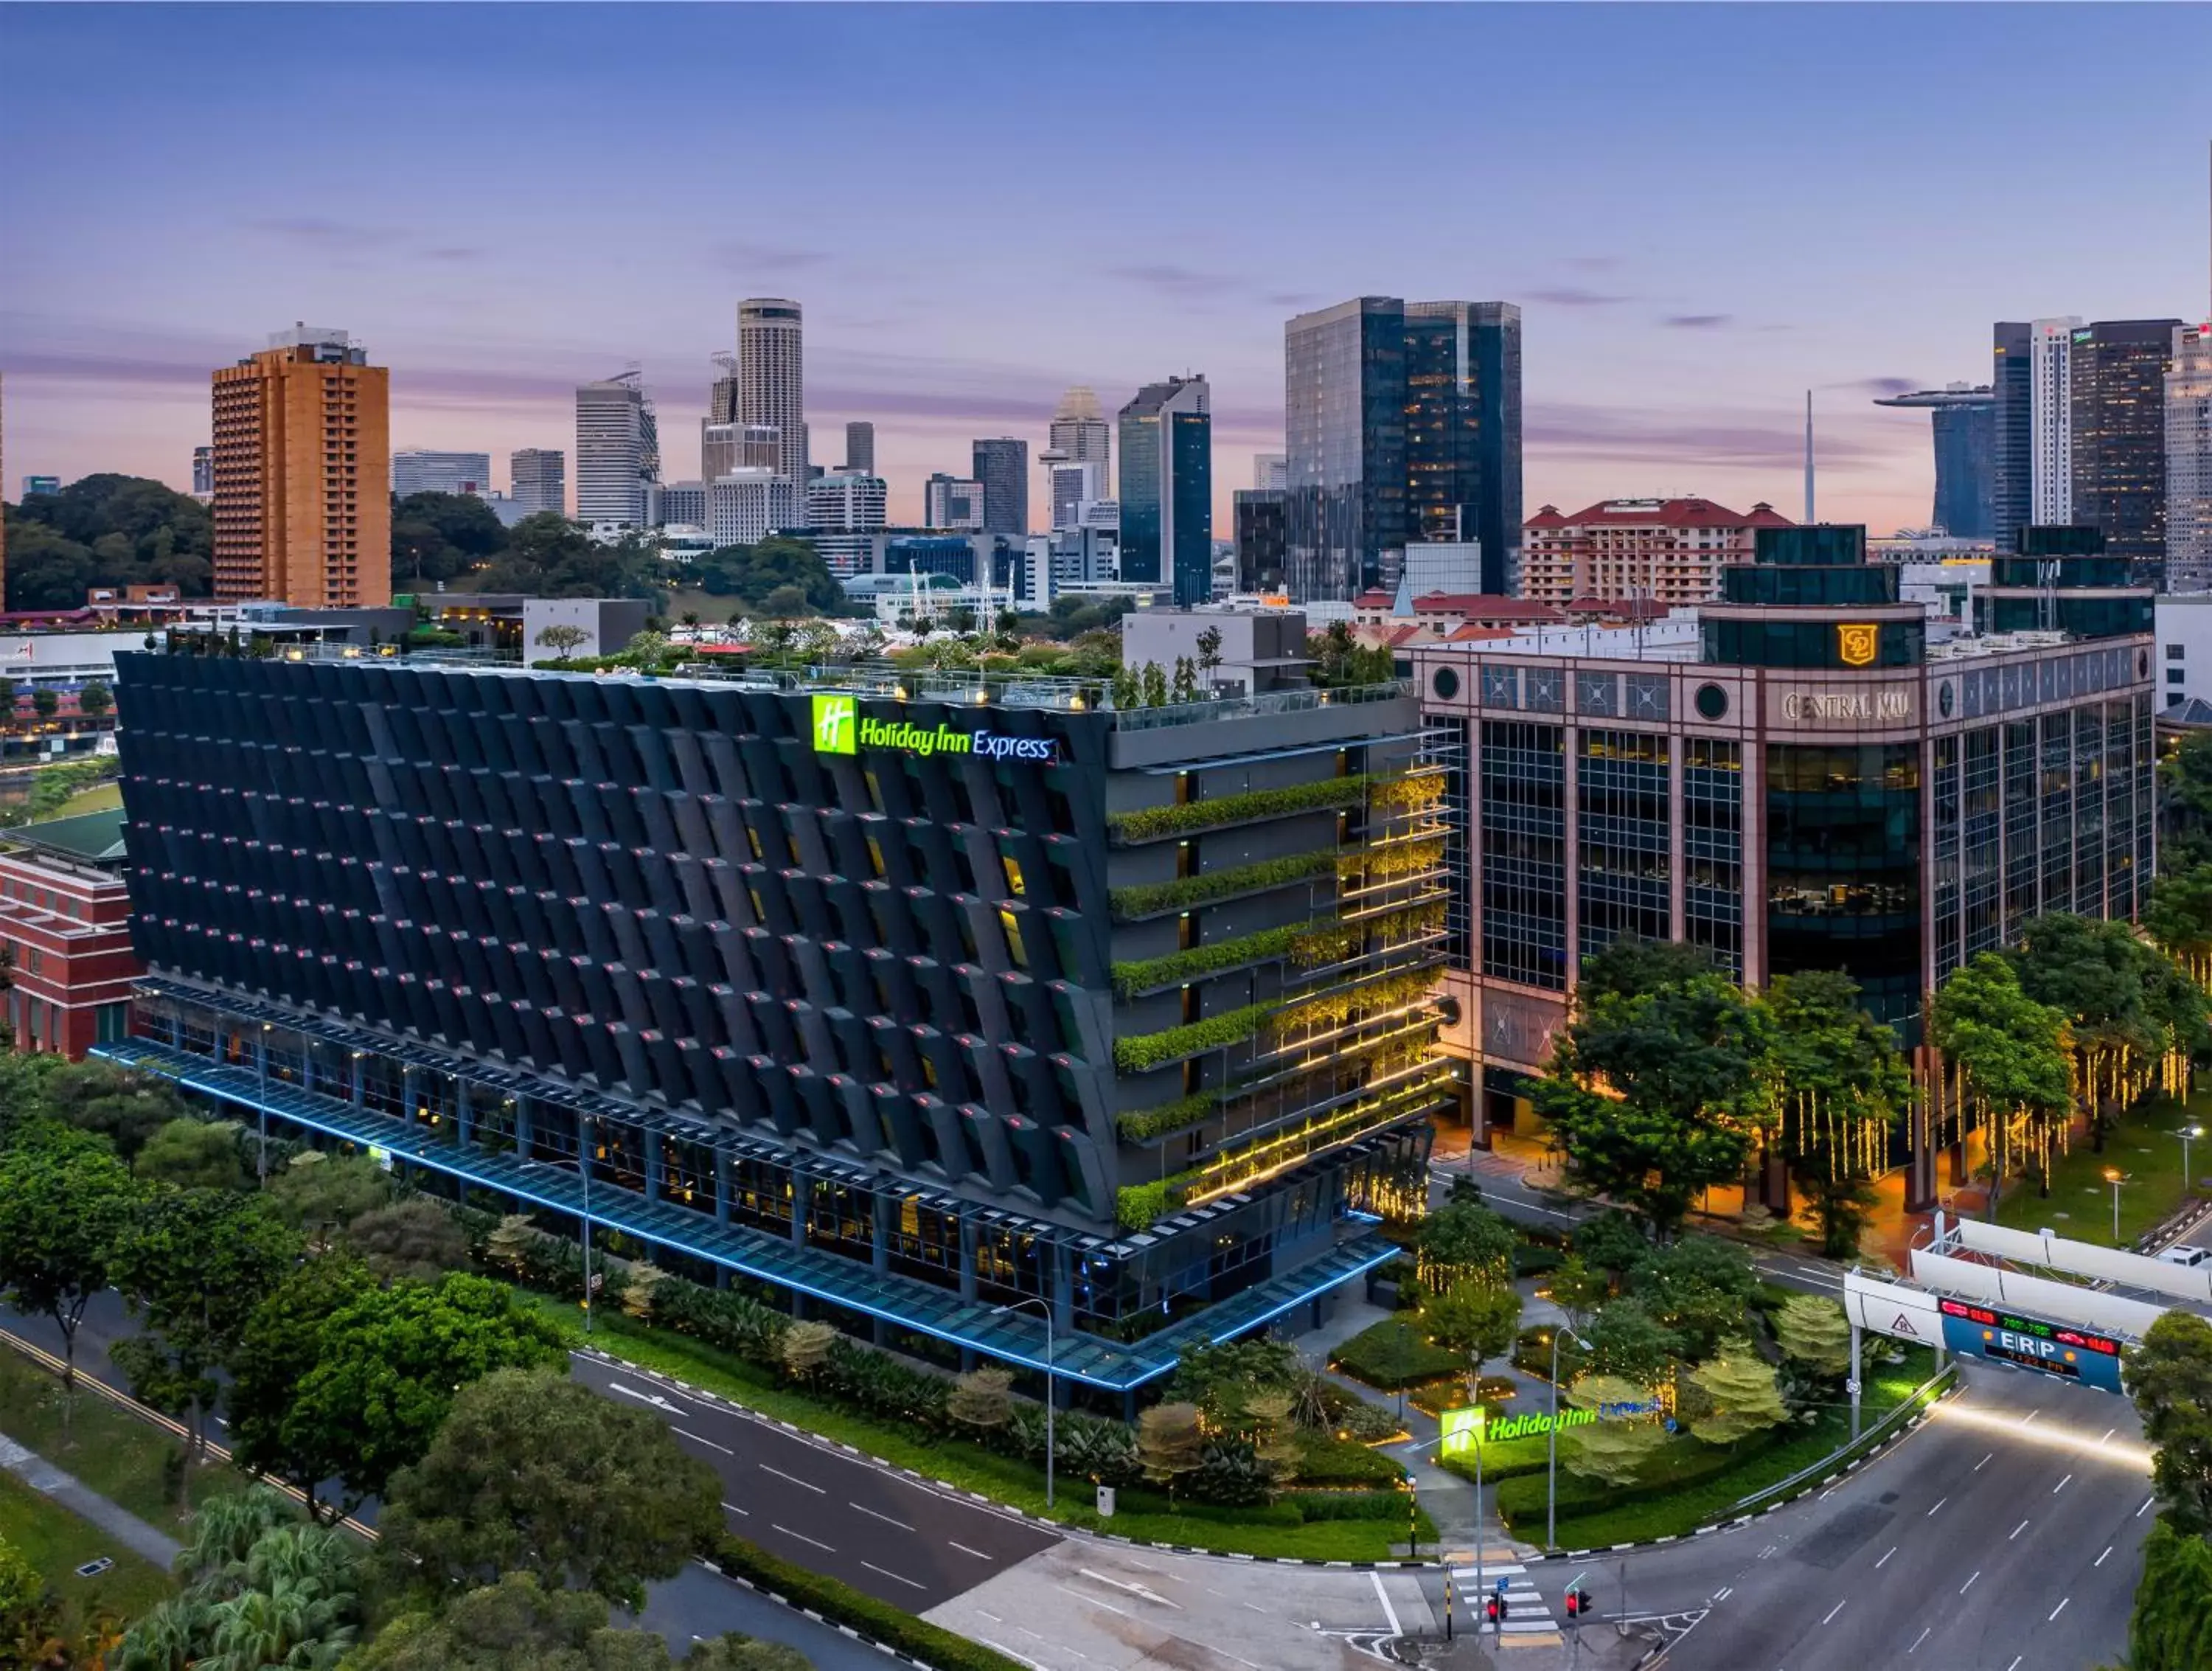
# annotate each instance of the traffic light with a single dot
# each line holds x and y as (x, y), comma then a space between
(1578, 1602)
(1497, 1608)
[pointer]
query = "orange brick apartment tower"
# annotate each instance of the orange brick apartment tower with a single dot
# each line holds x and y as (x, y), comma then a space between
(303, 474)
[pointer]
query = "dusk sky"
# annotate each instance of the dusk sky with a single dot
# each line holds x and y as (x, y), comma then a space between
(1702, 211)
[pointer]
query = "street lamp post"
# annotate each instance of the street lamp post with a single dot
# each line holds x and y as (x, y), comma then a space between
(2115, 1177)
(2188, 1132)
(1552, 1460)
(1044, 1310)
(583, 1165)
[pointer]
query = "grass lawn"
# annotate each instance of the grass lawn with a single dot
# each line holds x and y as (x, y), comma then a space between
(970, 1467)
(1707, 1492)
(100, 798)
(109, 1451)
(2145, 1148)
(1391, 1354)
(55, 1543)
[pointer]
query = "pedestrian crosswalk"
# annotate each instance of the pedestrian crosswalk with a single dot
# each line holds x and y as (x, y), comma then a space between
(1527, 1622)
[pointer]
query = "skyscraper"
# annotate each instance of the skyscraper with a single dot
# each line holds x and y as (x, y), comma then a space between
(952, 501)
(204, 472)
(2051, 436)
(1080, 434)
(1002, 465)
(1259, 534)
(539, 478)
(617, 450)
(1403, 422)
(861, 448)
(722, 392)
(1964, 423)
(1167, 489)
(418, 469)
(1271, 472)
(2189, 461)
(772, 377)
(2119, 425)
(2012, 461)
(302, 463)
(1070, 485)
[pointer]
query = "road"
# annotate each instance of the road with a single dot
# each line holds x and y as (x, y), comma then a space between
(2003, 1536)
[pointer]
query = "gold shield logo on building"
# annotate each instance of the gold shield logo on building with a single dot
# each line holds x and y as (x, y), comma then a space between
(1854, 642)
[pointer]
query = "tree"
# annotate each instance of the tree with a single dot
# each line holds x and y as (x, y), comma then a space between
(1578, 1290)
(126, 1108)
(107, 530)
(1745, 1396)
(2169, 1377)
(1156, 685)
(2185, 804)
(260, 1591)
(517, 1625)
(63, 1195)
(1814, 1332)
(1843, 1087)
(1626, 1341)
(1629, 965)
(46, 702)
(388, 1366)
(282, 1341)
(1476, 1317)
(784, 602)
(1466, 1239)
(561, 639)
(639, 1287)
(532, 1473)
(30, 1613)
(2179, 916)
(414, 1239)
(647, 649)
(320, 1194)
(1272, 1430)
(511, 1241)
(192, 1154)
(2010, 1052)
(1209, 653)
(1613, 1242)
(94, 701)
(193, 1265)
(1170, 1443)
(1652, 1092)
(980, 1399)
(1699, 1289)
(2171, 1629)
(807, 1348)
(1613, 1449)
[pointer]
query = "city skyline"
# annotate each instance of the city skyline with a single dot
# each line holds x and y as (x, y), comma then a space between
(1671, 330)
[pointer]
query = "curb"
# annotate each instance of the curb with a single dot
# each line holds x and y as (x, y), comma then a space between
(783, 1601)
(947, 1488)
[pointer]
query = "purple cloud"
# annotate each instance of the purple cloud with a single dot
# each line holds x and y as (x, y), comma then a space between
(1574, 296)
(1698, 321)
(1721, 439)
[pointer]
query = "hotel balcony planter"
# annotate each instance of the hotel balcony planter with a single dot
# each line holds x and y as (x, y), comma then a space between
(1157, 823)
(1142, 1053)
(1143, 1126)
(1139, 900)
(1307, 945)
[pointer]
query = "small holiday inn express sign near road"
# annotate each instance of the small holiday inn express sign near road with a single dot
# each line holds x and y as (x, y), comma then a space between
(1463, 1430)
(840, 727)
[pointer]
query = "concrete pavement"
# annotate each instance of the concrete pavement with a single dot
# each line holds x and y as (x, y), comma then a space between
(149, 1543)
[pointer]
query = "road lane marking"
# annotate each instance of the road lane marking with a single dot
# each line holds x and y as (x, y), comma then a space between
(1833, 1611)
(795, 1479)
(1724, 1592)
(2017, 1530)
(1141, 1567)
(1884, 1561)
(1969, 1584)
(1019, 1659)
(1225, 1654)
(2030, 1415)
(2138, 1514)
(965, 1550)
(695, 1439)
(2016, 1659)
(1133, 1589)
(2060, 1609)
(1389, 1611)
(886, 1519)
(1939, 1502)
(1092, 1600)
(2060, 1486)
(1917, 1640)
(1985, 1462)
(735, 1509)
(888, 1573)
(801, 1536)
(2108, 1434)
(2099, 1561)
(1255, 1607)
(992, 1617)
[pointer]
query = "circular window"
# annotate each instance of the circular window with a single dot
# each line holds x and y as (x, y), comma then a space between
(1712, 701)
(1944, 699)
(1445, 683)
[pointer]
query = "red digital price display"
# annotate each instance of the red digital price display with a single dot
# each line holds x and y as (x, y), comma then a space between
(2034, 1328)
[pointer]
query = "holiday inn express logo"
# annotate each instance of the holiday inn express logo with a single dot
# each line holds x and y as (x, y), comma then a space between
(841, 728)
(837, 724)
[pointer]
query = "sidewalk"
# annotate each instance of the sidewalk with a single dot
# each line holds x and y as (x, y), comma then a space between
(125, 1527)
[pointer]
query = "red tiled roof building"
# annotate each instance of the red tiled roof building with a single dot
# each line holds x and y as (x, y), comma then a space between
(1670, 551)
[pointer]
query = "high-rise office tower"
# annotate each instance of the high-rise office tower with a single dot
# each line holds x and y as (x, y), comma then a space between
(1965, 422)
(1258, 514)
(538, 480)
(724, 447)
(2012, 461)
(953, 502)
(2050, 420)
(1403, 422)
(1002, 465)
(748, 504)
(617, 450)
(1070, 485)
(2189, 461)
(1080, 432)
(861, 448)
(2119, 425)
(418, 469)
(1167, 489)
(204, 472)
(722, 393)
(1271, 472)
(772, 376)
(302, 465)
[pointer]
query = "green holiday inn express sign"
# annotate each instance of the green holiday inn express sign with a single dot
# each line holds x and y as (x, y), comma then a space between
(840, 727)
(1463, 1430)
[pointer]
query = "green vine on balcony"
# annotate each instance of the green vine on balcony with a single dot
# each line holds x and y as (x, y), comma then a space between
(1394, 858)
(1178, 967)
(1140, 1053)
(1150, 824)
(1141, 1125)
(1143, 899)
(1141, 1206)
(1335, 1009)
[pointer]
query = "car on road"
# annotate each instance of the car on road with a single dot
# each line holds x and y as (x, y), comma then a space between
(2183, 1254)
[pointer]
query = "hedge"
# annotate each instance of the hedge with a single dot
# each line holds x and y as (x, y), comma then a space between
(1141, 1206)
(1150, 824)
(1393, 1353)
(1141, 1125)
(1177, 967)
(839, 1603)
(1144, 898)
(1681, 1462)
(1141, 1052)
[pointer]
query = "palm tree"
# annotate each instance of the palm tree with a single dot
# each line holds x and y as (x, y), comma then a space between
(225, 1531)
(289, 1627)
(165, 1639)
